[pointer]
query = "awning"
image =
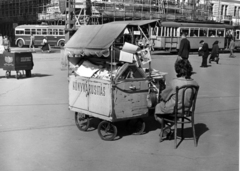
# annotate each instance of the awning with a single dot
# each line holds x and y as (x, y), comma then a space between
(94, 39)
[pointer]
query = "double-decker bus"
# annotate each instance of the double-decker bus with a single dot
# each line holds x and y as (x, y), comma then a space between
(55, 34)
(168, 35)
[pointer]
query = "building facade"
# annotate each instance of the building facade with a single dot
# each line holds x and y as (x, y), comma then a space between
(226, 11)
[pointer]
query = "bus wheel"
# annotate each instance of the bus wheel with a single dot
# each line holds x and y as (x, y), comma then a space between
(20, 43)
(61, 44)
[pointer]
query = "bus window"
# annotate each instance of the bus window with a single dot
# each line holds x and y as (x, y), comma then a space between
(19, 31)
(160, 31)
(33, 31)
(178, 32)
(27, 31)
(49, 31)
(185, 30)
(61, 32)
(203, 32)
(194, 32)
(220, 32)
(175, 32)
(44, 31)
(55, 31)
(212, 33)
(39, 31)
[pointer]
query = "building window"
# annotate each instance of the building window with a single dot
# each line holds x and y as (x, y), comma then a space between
(226, 10)
(222, 7)
(235, 11)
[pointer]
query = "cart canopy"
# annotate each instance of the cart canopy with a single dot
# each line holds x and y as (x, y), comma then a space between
(94, 39)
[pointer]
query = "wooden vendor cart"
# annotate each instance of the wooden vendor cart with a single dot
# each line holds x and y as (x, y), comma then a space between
(101, 85)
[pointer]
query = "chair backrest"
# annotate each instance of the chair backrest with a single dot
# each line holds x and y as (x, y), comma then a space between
(187, 96)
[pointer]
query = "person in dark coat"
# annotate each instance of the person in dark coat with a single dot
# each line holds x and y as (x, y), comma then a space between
(184, 47)
(215, 52)
(205, 53)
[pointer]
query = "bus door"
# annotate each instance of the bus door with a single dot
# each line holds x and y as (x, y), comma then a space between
(171, 39)
(38, 37)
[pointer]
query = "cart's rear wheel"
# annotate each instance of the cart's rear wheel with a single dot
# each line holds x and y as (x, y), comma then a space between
(8, 74)
(28, 73)
(82, 121)
(136, 126)
(107, 131)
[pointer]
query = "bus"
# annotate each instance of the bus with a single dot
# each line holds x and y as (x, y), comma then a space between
(167, 36)
(55, 34)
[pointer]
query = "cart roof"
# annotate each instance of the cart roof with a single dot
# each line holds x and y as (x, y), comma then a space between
(94, 39)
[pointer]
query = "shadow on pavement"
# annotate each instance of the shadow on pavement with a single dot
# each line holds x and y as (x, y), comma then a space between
(24, 77)
(200, 129)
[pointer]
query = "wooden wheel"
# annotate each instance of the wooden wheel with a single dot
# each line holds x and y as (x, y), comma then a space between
(107, 131)
(82, 121)
(8, 74)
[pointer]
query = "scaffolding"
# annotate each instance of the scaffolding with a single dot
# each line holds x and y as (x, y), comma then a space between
(16, 12)
(153, 9)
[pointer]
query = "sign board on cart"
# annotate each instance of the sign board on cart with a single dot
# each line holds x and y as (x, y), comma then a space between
(90, 95)
(17, 61)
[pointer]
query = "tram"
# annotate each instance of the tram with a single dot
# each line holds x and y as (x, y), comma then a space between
(167, 36)
(237, 36)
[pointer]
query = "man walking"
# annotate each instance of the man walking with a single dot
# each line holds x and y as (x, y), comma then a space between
(231, 47)
(31, 44)
(205, 53)
(184, 48)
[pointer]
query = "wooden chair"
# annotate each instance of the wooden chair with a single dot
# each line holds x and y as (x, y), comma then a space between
(182, 115)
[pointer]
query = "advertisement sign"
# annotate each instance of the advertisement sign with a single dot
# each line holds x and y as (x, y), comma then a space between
(145, 56)
(89, 94)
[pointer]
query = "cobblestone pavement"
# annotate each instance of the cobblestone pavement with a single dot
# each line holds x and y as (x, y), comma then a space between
(38, 132)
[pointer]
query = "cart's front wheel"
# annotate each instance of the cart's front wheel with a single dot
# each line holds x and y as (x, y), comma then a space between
(136, 126)
(107, 131)
(18, 74)
(8, 74)
(82, 121)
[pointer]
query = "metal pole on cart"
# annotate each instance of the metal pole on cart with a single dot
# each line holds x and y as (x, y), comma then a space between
(150, 68)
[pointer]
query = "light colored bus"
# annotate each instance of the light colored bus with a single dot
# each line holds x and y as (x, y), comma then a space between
(55, 34)
(168, 35)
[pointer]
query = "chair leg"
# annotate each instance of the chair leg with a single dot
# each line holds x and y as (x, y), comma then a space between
(182, 135)
(175, 134)
(161, 133)
(194, 134)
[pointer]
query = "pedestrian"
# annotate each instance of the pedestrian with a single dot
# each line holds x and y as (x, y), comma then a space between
(45, 45)
(168, 96)
(6, 44)
(232, 47)
(31, 44)
(184, 48)
(205, 52)
(215, 52)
